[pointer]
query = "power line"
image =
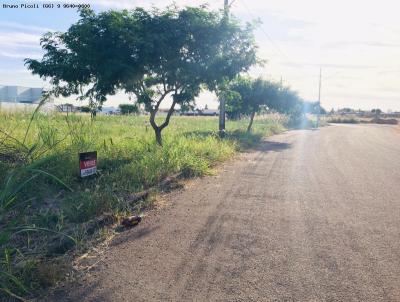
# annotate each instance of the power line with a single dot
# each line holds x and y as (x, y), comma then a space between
(277, 48)
(284, 55)
(233, 1)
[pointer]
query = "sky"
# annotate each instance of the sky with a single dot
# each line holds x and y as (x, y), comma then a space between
(356, 43)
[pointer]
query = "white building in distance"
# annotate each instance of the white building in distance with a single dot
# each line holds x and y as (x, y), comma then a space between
(19, 98)
(19, 94)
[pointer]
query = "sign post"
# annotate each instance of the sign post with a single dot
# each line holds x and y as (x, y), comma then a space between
(87, 163)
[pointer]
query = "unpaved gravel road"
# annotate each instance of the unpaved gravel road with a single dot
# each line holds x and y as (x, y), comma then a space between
(310, 216)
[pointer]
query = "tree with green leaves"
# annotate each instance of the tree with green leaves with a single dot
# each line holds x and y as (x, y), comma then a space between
(376, 112)
(129, 108)
(155, 55)
(85, 109)
(234, 104)
(292, 105)
(248, 96)
(314, 108)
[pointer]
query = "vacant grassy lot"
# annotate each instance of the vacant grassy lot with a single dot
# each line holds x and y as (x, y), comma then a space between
(47, 211)
(354, 119)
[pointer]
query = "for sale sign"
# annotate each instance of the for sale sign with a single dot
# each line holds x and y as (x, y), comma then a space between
(87, 163)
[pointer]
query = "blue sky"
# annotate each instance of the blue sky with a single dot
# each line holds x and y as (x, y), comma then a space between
(357, 44)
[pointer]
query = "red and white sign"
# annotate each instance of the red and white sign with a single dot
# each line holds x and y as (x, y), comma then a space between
(88, 163)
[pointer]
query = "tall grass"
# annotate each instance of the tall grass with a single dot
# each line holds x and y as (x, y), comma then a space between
(44, 205)
(12, 224)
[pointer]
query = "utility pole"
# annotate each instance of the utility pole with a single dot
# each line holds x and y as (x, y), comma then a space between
(319, 96)
(222, 97)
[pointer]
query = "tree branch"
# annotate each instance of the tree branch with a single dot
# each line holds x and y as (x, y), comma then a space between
(169, 114)
(162, 98)
(153, 111)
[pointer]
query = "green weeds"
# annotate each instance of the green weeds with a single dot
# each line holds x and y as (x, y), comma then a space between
(45, 207)
(343, 120)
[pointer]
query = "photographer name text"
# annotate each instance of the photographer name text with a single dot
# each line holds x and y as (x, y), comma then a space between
(43, 5)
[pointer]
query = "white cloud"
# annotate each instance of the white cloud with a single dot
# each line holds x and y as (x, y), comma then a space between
(18, 38)
(22, 55)
(356, 43)
(19, 45)
(20, 26)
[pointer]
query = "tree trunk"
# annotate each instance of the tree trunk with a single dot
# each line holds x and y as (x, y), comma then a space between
(157, 131)
(251, 121)
(93, 115)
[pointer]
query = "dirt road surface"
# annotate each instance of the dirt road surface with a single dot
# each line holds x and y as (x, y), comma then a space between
(310, 216)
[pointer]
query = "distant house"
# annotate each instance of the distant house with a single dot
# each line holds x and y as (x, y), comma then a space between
(110, 110)
(204, 112)
(189, 113)
(209, 112)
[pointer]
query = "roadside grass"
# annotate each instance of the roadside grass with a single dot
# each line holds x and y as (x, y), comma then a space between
(352, 119)
(47, 211)
(343, 120)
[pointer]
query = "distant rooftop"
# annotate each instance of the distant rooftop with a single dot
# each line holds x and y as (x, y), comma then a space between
(20, 94)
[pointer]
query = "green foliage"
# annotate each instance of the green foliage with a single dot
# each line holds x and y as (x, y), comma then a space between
(254, 93)
(344, 120)
(129, 108)
(313, 108)
(377, 112)
(151, 54)
(246, 97)
(85, 109)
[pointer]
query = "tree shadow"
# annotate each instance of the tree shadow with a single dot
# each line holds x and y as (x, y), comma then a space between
(82, 289)
(271, 146)
(132, 234)
(71, 291)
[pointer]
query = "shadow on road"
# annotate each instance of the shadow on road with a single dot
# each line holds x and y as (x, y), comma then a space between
(89, 291)
(273, 146)
(134, 234)
(79, 293)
